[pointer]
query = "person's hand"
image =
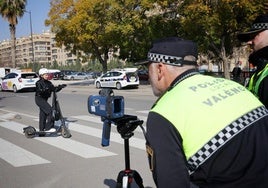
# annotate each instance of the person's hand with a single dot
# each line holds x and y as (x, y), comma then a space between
(60, 87)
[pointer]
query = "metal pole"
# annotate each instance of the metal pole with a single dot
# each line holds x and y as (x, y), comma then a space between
(31, 27)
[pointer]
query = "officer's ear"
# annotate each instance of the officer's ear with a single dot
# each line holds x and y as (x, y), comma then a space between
(161, 69)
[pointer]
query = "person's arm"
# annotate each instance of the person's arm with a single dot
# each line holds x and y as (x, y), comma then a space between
(168, 160)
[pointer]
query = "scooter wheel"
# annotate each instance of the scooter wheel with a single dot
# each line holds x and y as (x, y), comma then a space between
(65, 133)
(30, 132)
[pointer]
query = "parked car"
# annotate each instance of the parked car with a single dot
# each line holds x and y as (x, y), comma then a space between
(77, 76)
(118, 79)
(16, 81)
(57, 76)
(64, 73)
(93, 75)
(143, 75)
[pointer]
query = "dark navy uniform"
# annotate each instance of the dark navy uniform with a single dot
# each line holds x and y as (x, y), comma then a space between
(194, 134)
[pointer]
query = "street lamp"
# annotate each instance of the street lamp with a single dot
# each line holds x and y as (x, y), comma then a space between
(31, 27)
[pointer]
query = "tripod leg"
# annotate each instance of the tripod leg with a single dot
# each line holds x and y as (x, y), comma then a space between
(137, 178)
(120, 179)
(124, 179)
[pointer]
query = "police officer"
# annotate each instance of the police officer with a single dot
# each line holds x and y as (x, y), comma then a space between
(44, 89)
(202, 131)
(257, 38)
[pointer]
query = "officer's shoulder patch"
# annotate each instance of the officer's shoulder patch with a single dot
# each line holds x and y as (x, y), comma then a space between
(150, 153)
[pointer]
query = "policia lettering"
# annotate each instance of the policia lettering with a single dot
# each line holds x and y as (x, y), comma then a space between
(216, 86)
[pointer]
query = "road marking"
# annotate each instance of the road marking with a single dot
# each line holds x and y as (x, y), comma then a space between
(114, 137)
(97, 132)
(17, 156)
(72, 146)
(75, 147)
(144, 111)
(94, 119)
(26, 115)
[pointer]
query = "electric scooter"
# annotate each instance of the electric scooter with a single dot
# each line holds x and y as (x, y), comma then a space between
(61, 129)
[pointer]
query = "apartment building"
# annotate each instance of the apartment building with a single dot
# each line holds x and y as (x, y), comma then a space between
(41, 50)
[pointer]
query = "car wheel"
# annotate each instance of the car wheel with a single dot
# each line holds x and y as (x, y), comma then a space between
(15, 90)
(98, 85)
(72, 78)
(118, 85)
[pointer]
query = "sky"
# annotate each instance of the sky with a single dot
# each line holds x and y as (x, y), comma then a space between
(39, 12)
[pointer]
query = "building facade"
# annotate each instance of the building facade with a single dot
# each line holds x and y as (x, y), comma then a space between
(41, 50)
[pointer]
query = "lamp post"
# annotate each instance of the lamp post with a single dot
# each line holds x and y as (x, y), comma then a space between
(31, 28)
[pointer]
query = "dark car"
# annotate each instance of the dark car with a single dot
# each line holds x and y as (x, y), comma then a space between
(143, 75)
(57, 75)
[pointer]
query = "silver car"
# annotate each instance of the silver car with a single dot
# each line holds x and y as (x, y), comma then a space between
(76, 76)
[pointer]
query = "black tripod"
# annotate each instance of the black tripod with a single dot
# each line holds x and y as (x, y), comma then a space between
(125, 177)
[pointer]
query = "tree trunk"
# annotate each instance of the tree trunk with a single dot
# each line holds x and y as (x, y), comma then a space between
(225, 61)
(12, 29)
(226, 68)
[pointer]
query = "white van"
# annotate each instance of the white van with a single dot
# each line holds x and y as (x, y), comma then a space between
(5, 70)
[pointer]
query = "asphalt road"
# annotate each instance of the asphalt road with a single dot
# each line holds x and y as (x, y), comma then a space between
(79, 161)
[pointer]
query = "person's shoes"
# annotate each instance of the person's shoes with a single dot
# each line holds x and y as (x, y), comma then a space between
(51, 130)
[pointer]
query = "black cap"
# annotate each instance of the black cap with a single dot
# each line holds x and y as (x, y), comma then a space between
(260, 24)
(172, 50)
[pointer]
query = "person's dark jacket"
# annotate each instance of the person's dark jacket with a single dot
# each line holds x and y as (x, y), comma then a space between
(44, 88)
(260, 60)
(240, 163)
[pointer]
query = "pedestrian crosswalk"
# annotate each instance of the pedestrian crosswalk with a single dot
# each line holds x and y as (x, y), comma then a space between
(91, 126)
(17, 156)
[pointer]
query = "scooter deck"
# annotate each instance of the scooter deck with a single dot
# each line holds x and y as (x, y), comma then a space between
(30, 132)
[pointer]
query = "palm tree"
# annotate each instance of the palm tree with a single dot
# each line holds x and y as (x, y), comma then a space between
(11, 10)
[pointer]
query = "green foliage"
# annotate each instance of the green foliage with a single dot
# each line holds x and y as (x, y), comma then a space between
(97, 26)
(214, 24)
(11, 10)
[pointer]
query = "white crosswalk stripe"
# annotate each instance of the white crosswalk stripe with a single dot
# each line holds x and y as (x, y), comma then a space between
(114, 137)
(18, 156)
(78, 148)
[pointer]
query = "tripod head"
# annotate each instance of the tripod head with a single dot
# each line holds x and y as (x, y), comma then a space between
(127, 124)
